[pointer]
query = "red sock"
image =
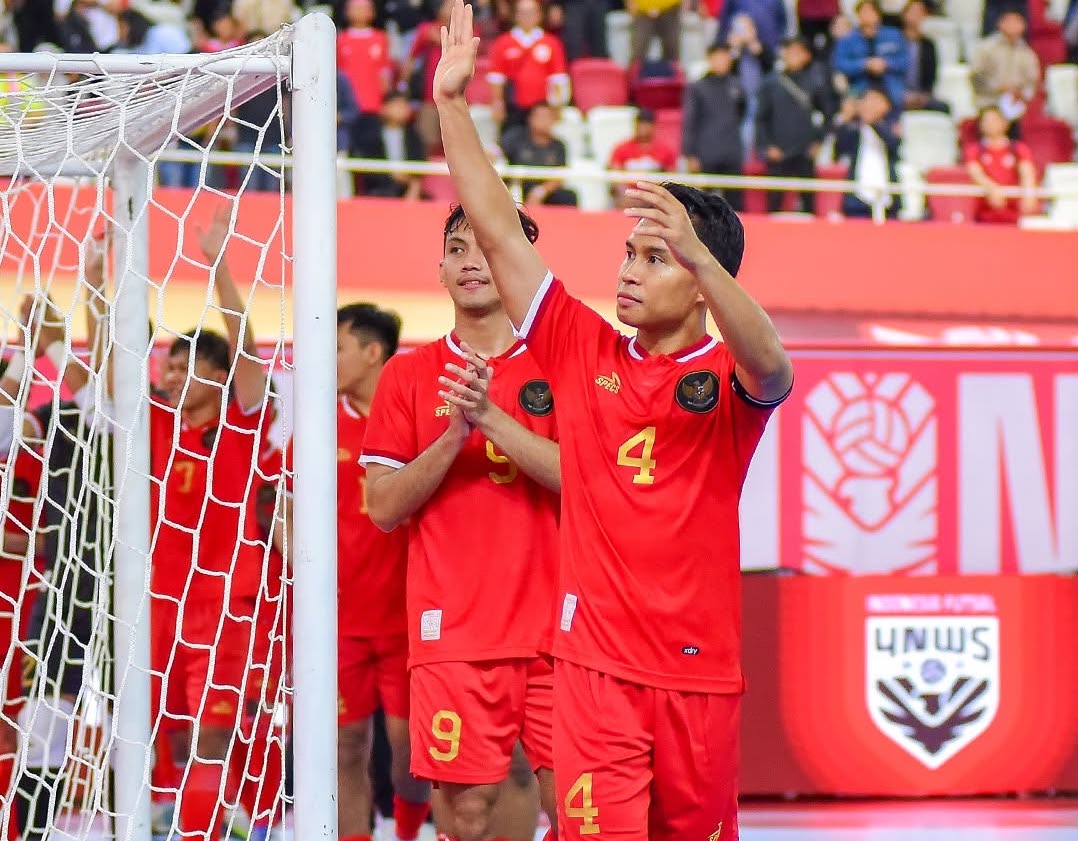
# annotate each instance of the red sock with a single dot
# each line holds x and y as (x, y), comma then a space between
(409, 817)
(200, 809)
(164, 777)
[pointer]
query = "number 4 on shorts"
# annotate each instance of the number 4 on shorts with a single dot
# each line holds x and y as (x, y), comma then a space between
(586, 812)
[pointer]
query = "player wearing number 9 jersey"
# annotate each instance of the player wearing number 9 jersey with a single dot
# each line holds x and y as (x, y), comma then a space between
(657, 434)
(462, 439)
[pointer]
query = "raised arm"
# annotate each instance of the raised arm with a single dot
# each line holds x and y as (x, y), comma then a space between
(250, 374)
(763, 367)
(516, 266)
(538, 457)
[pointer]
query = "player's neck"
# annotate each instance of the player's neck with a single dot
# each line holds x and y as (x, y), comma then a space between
(491, 334)
(667, 342)
(202, 415)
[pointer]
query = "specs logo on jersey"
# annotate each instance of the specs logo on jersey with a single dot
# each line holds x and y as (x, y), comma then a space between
(611, 383)
(932, 677)
(536, 398)
(209, 438)
(717, 834)
(698, 392)
(443, 411)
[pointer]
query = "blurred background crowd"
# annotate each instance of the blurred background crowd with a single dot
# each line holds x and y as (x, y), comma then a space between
(880, 92)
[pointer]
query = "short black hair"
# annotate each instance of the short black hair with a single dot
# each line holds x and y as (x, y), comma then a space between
(457, 219)
(204, 344)
(719, 47)
(875, 4)
(372, 324)
(716, 224)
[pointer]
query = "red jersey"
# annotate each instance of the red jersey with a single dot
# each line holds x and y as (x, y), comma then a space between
(363, 56)
(204, 479)
(272, 464)
(1000, 163)
(654, 454)
(24, 479)
(372, 566)
(482, 553)
(532, 61)
(643, 157)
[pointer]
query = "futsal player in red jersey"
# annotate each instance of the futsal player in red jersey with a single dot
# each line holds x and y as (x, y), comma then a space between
(207, 431)
(657, 432)
(459, 435)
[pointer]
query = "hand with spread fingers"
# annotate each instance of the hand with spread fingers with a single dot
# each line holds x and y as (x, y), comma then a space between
(459, 51)
(663, 216)
(468, 392)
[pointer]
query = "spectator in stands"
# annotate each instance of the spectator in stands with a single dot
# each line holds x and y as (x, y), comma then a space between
(418, 74)
(922, 67)
(363, 56)
(768, 16)
(224, 33)
(996, 162)
(642, 152)
(713, 109)
(1070, 31)
(1005, 69)
(584, 28)
(259, 126)
(528, 67)
(389, 136)
(35, 23)
(534, 144)
(873, 55)
(655, 19)
(753, 60)
(263, 15)
(995, 9)
(86, 27)
(814, 22)
(138, 34)
(795, 105)
(868, 146)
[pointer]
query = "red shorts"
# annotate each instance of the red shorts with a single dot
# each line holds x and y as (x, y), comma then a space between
(467, 717)
(265, 671)
(639, 763)
(202, 657)
(371, 672)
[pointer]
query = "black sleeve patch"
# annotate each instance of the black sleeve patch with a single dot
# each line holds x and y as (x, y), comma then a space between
(740, 391)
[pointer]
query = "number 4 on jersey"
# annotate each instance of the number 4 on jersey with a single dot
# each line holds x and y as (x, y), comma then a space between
(644, 463)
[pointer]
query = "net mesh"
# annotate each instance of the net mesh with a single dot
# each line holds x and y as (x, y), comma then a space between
(213, 399)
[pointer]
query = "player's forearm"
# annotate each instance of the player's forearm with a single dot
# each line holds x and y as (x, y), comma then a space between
(232, 307)
(748, 333)
(394, 495)
(537, 456)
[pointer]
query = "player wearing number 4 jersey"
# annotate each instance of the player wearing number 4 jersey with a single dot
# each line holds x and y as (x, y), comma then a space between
(657, 434)
(465, 438)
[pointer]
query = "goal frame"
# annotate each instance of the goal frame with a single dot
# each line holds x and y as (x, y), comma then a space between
(311, 74)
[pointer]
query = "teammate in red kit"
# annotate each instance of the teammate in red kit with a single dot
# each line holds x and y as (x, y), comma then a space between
(363, 56)
(657, 434)
(459, 435)
(206, 433)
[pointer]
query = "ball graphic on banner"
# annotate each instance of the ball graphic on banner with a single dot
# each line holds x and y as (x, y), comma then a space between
(870, 435)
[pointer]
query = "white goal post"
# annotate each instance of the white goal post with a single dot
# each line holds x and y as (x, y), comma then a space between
(105, 126)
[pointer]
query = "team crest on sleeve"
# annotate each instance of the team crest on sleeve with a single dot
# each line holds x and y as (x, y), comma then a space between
(931, 679)
(536, 398)
(698, 392)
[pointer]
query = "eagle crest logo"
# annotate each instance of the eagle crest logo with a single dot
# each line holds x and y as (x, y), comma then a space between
(698, 392)
(536, 398)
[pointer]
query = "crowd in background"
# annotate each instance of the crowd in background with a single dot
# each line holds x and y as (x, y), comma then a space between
(780, 94)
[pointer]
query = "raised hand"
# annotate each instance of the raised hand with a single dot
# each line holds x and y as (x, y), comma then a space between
(212, 239)
(663, 216)
(459, 50)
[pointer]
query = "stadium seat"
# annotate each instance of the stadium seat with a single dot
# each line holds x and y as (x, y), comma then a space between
(598, 81)
(929, 139)
(1046, 39)
(439, 187)
(607, 127)
(484, 123)
(479, 87)
(950, 208)
(945, 34)
(1051, 140)
(656, 93)
(668, 123)
(573, 133)
(968, 15)
(829, 205)
(1061, 86)
(1063, 211)
(591, 193)
(618, 40)
(954, 87)
(694, 39)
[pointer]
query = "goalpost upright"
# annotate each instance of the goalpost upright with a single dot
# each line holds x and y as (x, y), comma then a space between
(311, 74)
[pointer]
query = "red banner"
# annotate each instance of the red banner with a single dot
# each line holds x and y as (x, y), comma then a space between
(915, 463)
(910, 687)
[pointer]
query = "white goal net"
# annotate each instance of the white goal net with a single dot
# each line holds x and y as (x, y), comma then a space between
(145, 294)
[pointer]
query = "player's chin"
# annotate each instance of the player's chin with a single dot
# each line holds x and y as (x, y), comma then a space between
(630, 313)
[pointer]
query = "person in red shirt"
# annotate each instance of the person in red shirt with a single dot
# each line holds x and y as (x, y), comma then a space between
(207, 429)
(422, 59)
(996, 162)
(457, 434)
(641, 153)
(527, 67)
(657, 432)
(363, 56)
